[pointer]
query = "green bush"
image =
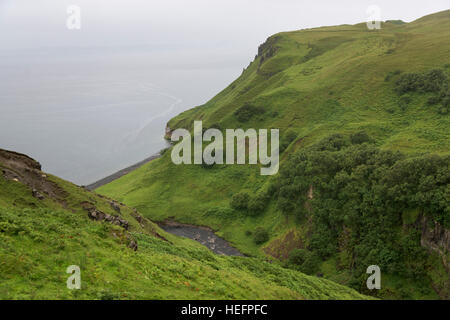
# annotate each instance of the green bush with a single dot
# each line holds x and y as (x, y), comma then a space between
(260, 236)
(359, 137)
(287, 139)
(248, 111)
(409, 82)
(239, 201)
(431, 81)
(257, 204)
(304, 260)
(297, 257)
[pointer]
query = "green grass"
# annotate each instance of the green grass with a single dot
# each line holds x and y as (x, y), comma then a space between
(40, 239)
(315, 82)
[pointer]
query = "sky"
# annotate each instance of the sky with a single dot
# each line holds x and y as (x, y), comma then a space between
(217, 26)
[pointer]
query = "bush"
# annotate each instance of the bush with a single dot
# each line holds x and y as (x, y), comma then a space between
(257, 204)
(246, 112)
(304, 260)
(221, 212)
(409, 82)
(359, 137)
(261, 236)
(239, 201)
(431, 81)
(297, 257)
(287, 139)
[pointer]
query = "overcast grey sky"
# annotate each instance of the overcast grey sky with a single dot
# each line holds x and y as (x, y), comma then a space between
(209, 24)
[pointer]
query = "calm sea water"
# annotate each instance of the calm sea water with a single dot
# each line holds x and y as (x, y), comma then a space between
(86, 113)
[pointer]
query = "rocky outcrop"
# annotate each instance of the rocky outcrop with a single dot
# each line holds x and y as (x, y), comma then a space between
(115, 206)
(20, 168)
(435, 238)
(97, 215)
(37, 194)
(168, 134)
(9, 157)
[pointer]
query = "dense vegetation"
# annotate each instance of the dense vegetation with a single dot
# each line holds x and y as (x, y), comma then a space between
(376, 101)
(40, 238)
(360, 202)
(434, 81)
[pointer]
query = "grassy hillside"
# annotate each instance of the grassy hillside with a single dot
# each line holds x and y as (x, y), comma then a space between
(390, 85)
(47, 224)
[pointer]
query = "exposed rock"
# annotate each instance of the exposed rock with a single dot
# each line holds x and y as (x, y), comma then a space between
(133, 245)
(435, 238)
(168, 134)
(37, 195)
(15, 157)
(23, 169)
(115, 206)
(97, 215)
(138, 217)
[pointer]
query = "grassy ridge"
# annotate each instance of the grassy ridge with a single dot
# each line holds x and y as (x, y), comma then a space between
(39, 239)
(313, 83)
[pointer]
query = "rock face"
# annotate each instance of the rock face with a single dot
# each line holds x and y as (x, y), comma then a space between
(23, 169)
(37, 194)
(24, 160)
(133, 245)
(115, 206)
(97, 215)
(435, 238)
(168, 134)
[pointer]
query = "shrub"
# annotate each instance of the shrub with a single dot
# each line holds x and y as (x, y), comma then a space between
(239, 201)
(332, 143)
(246, 112)
(409, 82)
(257, 204)
(297, 257)
(304, 260)
(287, 139)
(359, 137)
(431, 81)
(222, 212)
(261, 236)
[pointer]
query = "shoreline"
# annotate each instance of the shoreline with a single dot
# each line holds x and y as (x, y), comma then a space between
(121, 173)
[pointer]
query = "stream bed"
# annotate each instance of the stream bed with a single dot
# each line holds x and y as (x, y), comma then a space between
(203, 235)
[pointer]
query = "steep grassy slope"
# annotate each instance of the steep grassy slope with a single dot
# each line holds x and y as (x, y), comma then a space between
(310, 84)
(47, 224)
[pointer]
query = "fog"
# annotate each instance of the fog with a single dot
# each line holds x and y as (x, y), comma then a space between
(89, 102)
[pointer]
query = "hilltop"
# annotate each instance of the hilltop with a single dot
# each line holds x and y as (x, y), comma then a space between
(355, 107)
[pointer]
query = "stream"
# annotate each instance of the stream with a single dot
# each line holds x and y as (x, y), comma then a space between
(203, 235)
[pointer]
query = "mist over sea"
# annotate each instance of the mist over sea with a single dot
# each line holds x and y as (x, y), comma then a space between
(89, 102)
(85, 113)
